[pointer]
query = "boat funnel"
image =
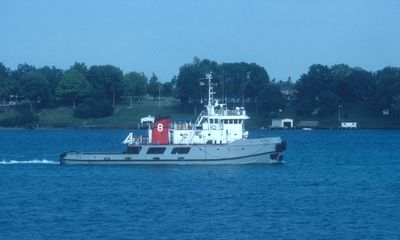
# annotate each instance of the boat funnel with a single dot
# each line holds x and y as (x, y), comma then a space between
(160, 131)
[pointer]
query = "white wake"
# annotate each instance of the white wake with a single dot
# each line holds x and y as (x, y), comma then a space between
(34, 161)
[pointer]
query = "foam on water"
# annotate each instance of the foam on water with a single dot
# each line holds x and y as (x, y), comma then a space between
(33, 161)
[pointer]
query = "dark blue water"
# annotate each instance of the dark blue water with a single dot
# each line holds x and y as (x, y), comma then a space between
(333, 185)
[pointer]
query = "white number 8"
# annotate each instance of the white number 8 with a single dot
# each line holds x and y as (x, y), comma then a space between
(160, 127)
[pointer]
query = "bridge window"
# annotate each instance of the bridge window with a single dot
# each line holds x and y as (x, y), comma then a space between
(230, 121)
(180, 150)
(211, 120)
(225, 121)
(216, 120)
(156, 150)
(235, 121)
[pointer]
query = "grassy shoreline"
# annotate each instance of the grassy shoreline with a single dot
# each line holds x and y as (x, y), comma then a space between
(128, 117)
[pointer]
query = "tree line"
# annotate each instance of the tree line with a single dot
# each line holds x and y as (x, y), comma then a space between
(236, 83)
(94, 91)
(324, 89)
(320, 91)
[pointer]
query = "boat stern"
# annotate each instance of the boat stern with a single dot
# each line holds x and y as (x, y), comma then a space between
(277, 156)
(62, 157)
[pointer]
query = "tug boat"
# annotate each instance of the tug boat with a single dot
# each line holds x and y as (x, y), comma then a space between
(218, 136)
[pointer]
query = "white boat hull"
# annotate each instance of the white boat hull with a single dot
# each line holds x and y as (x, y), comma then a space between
(252, 151)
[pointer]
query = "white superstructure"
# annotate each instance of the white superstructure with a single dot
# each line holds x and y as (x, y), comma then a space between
(215, 125)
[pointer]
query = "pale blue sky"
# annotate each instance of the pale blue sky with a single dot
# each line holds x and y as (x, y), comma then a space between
(284, 36)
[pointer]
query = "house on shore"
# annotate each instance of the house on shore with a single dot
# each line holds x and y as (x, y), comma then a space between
(282, 123)
(348, 125)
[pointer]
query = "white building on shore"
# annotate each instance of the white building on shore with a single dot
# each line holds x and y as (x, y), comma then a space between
(282, 123)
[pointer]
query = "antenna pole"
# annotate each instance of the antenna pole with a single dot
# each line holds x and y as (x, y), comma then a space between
(210, 97)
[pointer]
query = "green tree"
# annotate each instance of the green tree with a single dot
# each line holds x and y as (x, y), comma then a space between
(340, 81)
(167, 89)
(4, 71)
(232, 81)
(22, 70)
(328, 102)
(34, 86)
(81, 67)
(154, 87)
(257, 80)
(135, 84)
(310, 85)
(362, 84)
(396, 103)
(73, 85)
(190, 83)
(242, 79)
(8, 87)
(305, 106)
(106, 81)
(188, 87)
(387, 88)
(317, 79)
(53, 76)
(174, 80)
(271, 99)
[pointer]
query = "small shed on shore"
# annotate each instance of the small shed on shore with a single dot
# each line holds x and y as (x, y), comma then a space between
(348, 125)
(282, 123)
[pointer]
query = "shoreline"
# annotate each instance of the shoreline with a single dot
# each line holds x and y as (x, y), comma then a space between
(143, 129)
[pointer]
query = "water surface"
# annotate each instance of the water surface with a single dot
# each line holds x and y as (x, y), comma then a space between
(333, 185)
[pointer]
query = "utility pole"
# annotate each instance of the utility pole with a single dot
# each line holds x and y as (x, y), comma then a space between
(159, 95)
(247, 78)
(113, 97)
(243, 90)
(223, 86)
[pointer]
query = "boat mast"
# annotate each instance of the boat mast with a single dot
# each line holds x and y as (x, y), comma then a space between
(210, 105)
